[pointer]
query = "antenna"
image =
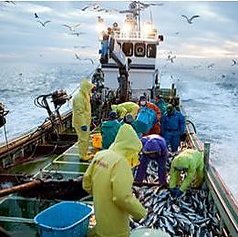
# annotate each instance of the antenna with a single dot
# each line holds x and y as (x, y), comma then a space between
(151, 18)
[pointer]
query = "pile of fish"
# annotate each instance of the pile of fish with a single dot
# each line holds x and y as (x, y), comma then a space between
(193, 214)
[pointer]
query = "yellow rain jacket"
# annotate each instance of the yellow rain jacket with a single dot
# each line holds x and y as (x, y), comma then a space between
(126, 108)
(82, 116)
(109, 179)
(193, 162)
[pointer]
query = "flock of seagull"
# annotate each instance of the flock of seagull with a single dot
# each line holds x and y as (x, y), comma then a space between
(97, 7)
(133, 8)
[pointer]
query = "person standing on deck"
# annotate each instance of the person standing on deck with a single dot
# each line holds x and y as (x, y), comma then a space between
(160, 103)
(144, 103)
(98, 80)
(109, 180)
(172, 126)
(191, 162)
(126, 108)
(154, 148)
(109, 130)
(133, 122)
(81, 119)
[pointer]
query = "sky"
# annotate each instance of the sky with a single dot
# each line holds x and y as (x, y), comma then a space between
(212, 35)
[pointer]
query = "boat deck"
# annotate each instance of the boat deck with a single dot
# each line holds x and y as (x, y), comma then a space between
(17, 212)
(65, 166)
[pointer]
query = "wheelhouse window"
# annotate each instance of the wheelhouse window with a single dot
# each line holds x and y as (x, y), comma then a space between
(127, 48)
(151, 51)
(140, 50)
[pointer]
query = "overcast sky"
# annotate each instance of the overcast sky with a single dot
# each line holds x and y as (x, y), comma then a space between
(23, 39)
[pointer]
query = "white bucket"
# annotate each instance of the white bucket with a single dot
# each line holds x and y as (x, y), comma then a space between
(147, 232)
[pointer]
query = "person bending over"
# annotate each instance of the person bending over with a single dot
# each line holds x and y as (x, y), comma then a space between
(192, 163)
(154, 148)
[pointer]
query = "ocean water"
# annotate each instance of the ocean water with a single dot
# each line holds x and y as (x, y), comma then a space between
(210, 99)
(20, 84)
(209, 95)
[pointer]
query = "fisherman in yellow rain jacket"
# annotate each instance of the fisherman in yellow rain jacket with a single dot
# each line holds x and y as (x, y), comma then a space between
(191, 162)
(82, 117)
(109, 179)
(126, 108)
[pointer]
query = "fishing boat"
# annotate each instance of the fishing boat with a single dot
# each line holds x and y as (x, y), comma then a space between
(41, 167)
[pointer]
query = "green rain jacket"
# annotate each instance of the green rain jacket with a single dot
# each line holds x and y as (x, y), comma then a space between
(109, 179)
(109, 131)
(192, 161)
(126, 108)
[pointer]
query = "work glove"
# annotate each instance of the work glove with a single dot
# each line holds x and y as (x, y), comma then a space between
(84, 128)
(176, 192)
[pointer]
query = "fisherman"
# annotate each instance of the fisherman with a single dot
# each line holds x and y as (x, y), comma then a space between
(81, 119)
(109, 130)
(98, 80)
(126, 108)
(154, 148)
(109, 180)
(144, 103)
(172, 127)
(104, 48)
(191, 162)
(161, 104)
(133, 122)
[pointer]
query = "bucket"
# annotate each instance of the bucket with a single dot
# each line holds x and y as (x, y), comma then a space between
(145, 120)
(97, 140)
(64, 219)
(148, 232)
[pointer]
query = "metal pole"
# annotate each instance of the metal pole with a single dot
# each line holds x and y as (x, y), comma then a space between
(206, 155)
(5, 135)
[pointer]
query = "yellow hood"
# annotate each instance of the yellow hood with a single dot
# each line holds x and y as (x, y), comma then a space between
(127, 144)
(114, 108)
(86, 86)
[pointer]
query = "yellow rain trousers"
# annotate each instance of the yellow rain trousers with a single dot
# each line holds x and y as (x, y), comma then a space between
(82, 116)
(126, 108)
(109, 179)
(193, 161)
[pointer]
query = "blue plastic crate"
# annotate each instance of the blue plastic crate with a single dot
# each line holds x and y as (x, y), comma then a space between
(65, 219)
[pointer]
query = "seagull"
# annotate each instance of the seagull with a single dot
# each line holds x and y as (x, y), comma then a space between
(146, 5)
(77, 56)
(211, 65)
(71, 27)
(90, 60)
(171, 59)
(85, 8)
(11, 2)
(93, 6)
(36, 16)
(234, 62)
(44, 23)
(189, 20)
